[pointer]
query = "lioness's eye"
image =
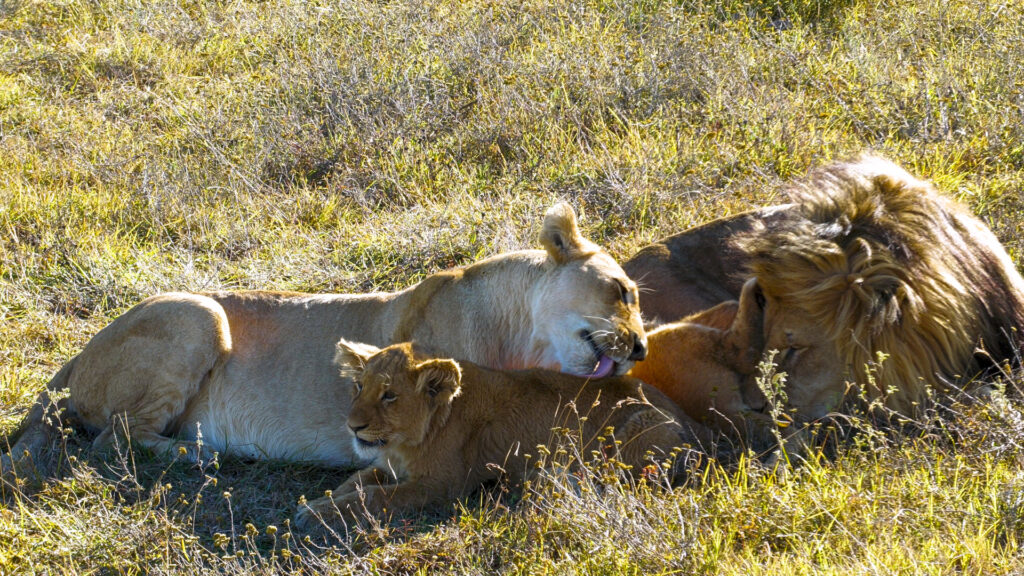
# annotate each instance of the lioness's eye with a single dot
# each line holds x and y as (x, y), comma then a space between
(388, 396)
(624, 293)
(357, 388)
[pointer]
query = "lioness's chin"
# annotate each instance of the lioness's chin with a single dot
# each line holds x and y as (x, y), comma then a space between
(621, 368)
(586, 363)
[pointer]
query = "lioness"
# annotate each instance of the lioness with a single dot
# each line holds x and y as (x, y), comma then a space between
(870, 278)
(437, 429)
(252, 371)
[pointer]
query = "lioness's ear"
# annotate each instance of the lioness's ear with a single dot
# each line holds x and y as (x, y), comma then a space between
(353, 355)
(745, 338)
(561, 237)
(439, 378)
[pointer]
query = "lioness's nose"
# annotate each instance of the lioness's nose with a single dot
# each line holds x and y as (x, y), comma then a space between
(639, 347)
(356, 428)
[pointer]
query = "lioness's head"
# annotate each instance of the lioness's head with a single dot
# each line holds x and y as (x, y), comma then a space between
(585, 315)
(396, 400)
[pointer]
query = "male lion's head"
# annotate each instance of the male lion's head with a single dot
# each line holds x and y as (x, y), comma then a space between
(396, 400)
(885, 284)
(584, 311)
(881, 291)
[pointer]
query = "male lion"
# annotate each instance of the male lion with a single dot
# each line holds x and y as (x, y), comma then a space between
(437, 429)
(871, 277)
(252, 371)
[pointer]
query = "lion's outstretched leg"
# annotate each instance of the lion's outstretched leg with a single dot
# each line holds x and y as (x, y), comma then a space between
(346, 500)
(140, 372)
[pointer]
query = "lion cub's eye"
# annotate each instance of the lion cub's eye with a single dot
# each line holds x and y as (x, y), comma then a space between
(357, 387)
(388, 396)
(791, 353)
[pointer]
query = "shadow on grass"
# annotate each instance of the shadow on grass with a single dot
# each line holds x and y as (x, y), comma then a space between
(225, 505)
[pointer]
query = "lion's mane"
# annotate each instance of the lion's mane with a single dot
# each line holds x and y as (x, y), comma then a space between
(884, 263)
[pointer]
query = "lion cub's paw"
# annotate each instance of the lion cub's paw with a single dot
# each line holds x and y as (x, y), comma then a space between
(328, 512)
(17, 468)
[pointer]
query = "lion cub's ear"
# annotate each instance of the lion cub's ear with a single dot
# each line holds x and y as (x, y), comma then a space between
(440, 379)
(353, 355)
(745, 337)
(721, 316)
(561, 237)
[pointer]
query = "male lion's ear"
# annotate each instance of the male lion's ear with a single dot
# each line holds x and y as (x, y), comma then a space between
(353, 355)
(745, 338)
(561, 237)
(439, 378)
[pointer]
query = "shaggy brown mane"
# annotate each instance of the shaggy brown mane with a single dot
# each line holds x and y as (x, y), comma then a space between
(888, 265)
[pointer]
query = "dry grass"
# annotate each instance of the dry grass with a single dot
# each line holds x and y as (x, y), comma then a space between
(343, 146)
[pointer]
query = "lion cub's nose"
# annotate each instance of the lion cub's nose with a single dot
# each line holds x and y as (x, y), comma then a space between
(356, 428)
(639, 347)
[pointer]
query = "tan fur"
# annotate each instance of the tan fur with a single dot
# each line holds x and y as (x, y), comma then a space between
(438, 429)
(252, 372)
(877, 262)
(705, 363)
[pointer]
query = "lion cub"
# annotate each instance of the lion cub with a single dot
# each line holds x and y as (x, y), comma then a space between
(707, 364)
(437, 429)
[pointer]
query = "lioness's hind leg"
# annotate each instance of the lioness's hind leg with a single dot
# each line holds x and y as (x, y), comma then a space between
(121, 429)
(145, 367)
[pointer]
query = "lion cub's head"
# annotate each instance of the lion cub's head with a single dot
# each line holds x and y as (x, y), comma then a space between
(585, 313)
(396, 400)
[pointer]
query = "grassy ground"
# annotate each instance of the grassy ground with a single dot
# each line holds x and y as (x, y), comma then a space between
(358, 145)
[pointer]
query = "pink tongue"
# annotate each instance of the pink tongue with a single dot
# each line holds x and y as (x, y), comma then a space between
(603, 369)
